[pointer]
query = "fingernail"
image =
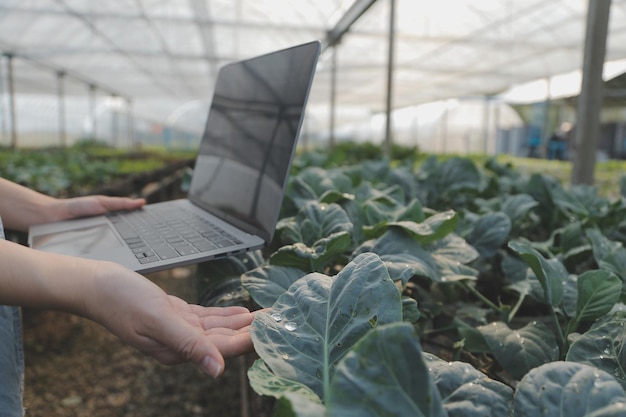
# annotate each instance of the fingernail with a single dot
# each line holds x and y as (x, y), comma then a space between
(211, 367)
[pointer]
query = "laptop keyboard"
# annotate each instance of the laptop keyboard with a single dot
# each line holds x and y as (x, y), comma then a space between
(153, 239)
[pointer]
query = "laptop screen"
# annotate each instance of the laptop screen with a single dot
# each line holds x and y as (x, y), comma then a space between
(250, 137)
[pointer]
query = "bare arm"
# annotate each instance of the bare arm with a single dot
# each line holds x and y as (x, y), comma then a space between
(127, 304)
(21, 207)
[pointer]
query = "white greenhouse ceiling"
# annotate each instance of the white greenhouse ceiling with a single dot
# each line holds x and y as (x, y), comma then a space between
(162, 55)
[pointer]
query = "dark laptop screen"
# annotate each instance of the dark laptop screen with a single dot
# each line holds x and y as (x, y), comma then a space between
(250, 137)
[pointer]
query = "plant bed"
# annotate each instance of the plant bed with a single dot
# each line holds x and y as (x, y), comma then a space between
(66, 172)
(446, 289)
(163, 183)
(455, 287)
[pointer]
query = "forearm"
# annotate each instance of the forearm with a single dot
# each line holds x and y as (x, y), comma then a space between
(21, 207)
(31, 278)
(130, 306)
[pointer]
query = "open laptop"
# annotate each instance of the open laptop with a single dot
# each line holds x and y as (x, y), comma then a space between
(238, 181)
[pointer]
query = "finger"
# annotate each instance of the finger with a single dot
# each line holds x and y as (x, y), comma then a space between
(232, 345)
(224, 331)
(218, 311)
(187, 343)
(231, 322)
(120, 203)
(95, 205)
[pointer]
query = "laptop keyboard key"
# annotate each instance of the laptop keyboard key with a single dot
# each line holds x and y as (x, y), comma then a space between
(223, 243)
(125, 230)
(148, 259)
(166, 252)
(186, 250)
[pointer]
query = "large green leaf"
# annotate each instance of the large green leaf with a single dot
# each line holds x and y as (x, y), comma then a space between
(265, 284)
(295, 405)
(467, 392)
(457, 174)
(405, 257)
(453, 248)
(313, 182)
(517, 206)
(551, 273)
(265, 382)
(570, 300)
(519, 351)
(433, 228)
(377, 214)
(608, 254)
(567, 389)
(218, 282)
(385, 375)
(314, 258)
(404, 177)
(314, 221)
(603, 346)
(554, 198)
(489, 233)
(312, 326)
(598, 292)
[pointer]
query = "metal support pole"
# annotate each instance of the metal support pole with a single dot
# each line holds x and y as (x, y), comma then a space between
(333, 98)
(12, 116)
(444, 128)
(590, 99)
(92, 112)
(546, 133)
(115, 123)
(496, 127)
(61, 100)
(390, 62)
(486, 122)
(130, 121)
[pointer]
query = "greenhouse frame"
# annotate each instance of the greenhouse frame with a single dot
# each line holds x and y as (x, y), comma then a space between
(441, 75)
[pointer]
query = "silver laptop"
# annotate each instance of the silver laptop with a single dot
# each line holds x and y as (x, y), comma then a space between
(238, 181)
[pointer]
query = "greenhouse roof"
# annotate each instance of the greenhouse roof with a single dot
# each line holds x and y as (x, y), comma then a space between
(163, 55)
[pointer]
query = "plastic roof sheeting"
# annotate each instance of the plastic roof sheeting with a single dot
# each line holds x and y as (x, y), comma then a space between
(162, 56)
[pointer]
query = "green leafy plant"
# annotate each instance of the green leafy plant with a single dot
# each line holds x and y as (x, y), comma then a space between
(381, 270)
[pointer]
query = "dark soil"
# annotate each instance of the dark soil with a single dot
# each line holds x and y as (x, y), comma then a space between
(76, 368)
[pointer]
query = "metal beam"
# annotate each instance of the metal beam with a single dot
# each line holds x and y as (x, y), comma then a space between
(590, 99)
(390, 69)
(355, 11)
(333, 98)
(61, 100)
(12, 117)
(93, 111)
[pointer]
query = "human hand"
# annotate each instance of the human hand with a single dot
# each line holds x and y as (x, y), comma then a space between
(163, 326)
(95, 205)
(225, 328)
(22, 207)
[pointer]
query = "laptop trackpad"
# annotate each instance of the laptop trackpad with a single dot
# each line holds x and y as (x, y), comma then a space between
(84, 241)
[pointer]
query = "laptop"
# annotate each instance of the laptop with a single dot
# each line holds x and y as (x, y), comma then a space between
(238, 182)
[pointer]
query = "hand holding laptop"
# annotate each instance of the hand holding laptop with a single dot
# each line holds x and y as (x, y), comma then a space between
(21, 207)
(127, 304)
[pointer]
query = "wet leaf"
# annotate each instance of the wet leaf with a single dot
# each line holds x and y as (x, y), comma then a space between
(385, 375)
(519, 351)
(312, 326)
(569, 389)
